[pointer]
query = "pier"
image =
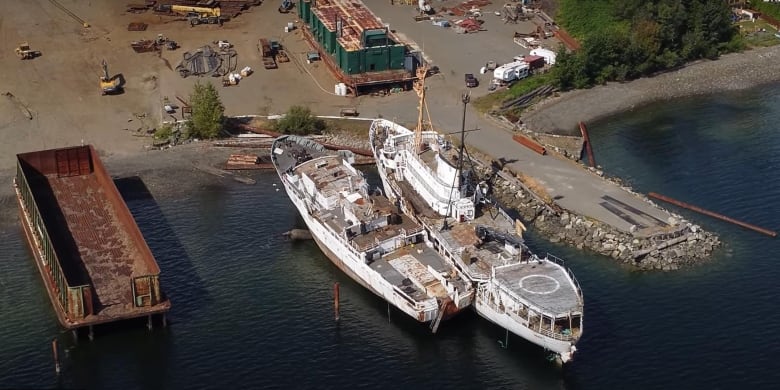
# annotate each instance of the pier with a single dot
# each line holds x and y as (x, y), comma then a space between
(93, 260)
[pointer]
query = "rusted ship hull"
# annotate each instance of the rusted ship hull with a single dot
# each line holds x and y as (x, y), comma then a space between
(92, 258)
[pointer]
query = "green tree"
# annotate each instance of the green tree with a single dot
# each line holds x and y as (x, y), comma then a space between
(626, 39)
(207, 112)
(299, 120)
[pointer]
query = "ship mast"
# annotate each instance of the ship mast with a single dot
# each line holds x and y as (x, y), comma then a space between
(465, 98)
(419, 87)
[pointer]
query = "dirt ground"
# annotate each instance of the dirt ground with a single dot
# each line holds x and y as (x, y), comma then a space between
(60, 88)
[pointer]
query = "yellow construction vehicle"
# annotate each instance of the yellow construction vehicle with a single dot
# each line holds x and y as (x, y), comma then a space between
(196, 15)
(24, 53)
(108, 85)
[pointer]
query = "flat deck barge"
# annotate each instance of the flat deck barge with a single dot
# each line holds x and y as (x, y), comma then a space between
(93, 260)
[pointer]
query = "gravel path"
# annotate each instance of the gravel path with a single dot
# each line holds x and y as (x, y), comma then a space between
(736, 71)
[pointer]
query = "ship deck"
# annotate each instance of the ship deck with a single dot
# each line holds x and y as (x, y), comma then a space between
(91, 234)
(413, 262)
(417, 257)
(543, 283)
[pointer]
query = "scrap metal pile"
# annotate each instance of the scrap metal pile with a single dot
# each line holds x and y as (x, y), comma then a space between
(466, 7)
(207, 61)
(149, 45)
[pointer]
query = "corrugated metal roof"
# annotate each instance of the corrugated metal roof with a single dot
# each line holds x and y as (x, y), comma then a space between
(355, 18)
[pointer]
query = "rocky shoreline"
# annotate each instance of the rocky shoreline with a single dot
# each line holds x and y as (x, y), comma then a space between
(684, 245)
(730, 72)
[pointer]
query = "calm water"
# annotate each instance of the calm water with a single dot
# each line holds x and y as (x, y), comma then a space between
(251, 310)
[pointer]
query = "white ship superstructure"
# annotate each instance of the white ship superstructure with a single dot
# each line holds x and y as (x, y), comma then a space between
(535, 298)
(366, 236)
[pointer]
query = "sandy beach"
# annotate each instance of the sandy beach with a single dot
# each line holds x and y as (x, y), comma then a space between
(560, 115)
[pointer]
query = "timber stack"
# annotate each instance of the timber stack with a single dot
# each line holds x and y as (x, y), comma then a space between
(247, 161)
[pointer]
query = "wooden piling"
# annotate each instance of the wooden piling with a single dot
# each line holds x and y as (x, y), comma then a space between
(56, 356)
(336, 300)
(745, 225)
(588, 148)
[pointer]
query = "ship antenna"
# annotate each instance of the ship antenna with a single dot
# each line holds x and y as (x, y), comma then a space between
(465, 98)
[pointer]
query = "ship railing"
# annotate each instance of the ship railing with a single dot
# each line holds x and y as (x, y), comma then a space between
(531, 325)
(416, 304)
(75, 301)
(560, 262)
(555, 335)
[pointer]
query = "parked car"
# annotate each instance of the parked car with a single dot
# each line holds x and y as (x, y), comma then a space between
(471, 81)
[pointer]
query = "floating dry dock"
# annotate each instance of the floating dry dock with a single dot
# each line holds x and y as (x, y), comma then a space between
(91, 255)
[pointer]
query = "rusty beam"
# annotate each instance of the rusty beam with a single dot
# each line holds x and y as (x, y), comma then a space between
(530, 144)
(587, 145)
(713, 214)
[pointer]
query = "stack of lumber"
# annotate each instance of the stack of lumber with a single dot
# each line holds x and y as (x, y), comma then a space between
(246, 161)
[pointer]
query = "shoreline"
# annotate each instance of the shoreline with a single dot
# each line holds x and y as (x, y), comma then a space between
(731, 72)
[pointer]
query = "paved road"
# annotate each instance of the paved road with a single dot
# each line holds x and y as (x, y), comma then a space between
(572, 187)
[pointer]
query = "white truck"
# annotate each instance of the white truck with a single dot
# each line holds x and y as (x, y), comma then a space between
(512, 71)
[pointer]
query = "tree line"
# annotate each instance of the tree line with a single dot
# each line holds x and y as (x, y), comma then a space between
(626, 39)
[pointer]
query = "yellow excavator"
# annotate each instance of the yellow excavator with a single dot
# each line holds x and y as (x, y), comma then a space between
(108, 84)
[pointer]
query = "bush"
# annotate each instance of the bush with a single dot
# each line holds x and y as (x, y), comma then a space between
(300, 121)
(207, 112)
(164, 132)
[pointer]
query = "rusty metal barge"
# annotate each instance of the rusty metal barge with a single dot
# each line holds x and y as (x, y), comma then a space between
(94, 262)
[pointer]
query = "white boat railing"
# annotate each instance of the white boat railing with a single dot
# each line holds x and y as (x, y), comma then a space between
(562, 263)
(526, 323)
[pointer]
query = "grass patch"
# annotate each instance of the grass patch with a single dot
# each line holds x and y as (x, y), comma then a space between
(535, 186)
(758, 33)
(493, 100)
(350, 127)
(766, 8)
(587, 18)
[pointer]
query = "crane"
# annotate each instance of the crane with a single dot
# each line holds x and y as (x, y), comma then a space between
(196, 15)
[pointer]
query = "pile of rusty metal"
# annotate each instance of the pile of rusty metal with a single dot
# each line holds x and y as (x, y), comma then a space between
(137, 26)
(468, 25)
(144, 46)
(139, 8)
(149, 45)
(466, 7)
